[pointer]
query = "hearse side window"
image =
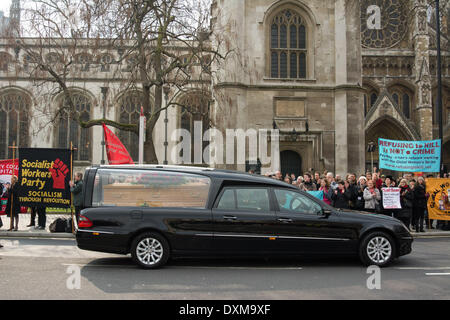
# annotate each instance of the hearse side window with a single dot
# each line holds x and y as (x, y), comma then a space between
(147, 188)
(228, 200)
(293, 202)
(249, 199)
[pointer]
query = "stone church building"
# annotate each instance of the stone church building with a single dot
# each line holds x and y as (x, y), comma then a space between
(331, 75)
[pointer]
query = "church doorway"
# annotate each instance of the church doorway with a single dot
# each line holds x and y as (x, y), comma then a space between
(385, 128)
(291, 162)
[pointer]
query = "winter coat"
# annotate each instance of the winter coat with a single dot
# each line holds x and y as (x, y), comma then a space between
(13, 193)
(308, 186)
(326, 195)
(340, 199)
(371, 201)
(406, 200)
(77, 193)
(420, 198)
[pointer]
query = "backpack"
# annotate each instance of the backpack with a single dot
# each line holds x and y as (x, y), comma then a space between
(59, 225)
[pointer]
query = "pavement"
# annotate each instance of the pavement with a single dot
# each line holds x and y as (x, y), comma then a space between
(31, 232)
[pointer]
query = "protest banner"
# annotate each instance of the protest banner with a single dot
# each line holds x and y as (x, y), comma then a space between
(391, 198)
(44, 176)
(409, 156)
(317, 194)
(438, 201)
(8, 168)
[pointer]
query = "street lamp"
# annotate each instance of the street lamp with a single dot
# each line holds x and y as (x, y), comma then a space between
(439, 82)
(104, 92)
(371, 149)
(166, 89)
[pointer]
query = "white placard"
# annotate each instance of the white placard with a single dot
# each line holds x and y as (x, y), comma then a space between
(391, 198)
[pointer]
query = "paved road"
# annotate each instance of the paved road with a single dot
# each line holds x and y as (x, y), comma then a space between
(46, 269)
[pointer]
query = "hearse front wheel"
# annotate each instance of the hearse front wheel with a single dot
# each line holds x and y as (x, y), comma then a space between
(150, 250)
(377, 248)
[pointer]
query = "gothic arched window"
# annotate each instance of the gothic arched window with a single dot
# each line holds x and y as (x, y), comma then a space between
(403, 98)
(406, 103)
(14, 121)
(5, 60)
(373, 99)
(129, 112)
(288, 49)
(105, 62)
(69, 130)
(84, 60)
(195, 108)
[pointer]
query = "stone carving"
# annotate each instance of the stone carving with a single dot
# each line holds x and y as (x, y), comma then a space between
(422, 21)
(425, 93)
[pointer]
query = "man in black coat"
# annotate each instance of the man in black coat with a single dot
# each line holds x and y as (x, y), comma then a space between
(13, 195)
(419, 205)
(341, 196)
(76, 187)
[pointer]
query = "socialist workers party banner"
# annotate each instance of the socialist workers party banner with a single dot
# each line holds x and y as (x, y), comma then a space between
(115, 150)
(438, 200)
(7, 169)
(44, 177)
(410, 156)
(391, 198)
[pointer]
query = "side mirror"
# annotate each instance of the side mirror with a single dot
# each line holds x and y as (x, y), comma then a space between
(326, 213)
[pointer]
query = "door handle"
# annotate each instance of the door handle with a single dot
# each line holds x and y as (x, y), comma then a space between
(136, 214)
(285, 220)
(230, 217)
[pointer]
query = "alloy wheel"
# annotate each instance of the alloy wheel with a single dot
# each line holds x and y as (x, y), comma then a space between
(149, 251)
(379, 250)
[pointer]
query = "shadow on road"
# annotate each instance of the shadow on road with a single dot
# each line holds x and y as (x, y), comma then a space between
(213, 276)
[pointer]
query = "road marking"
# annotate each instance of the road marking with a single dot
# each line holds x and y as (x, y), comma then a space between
(183, 267)
(424, 268)
(437, 274)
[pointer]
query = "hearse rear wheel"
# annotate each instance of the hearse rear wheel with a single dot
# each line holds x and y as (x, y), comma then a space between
(150, 250)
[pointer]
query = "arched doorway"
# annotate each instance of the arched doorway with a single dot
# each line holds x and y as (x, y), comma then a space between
(291, 162)
(385, 128)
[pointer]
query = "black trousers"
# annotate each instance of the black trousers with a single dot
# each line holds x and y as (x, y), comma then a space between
(42, 216)
(418, 217)
(77, 213)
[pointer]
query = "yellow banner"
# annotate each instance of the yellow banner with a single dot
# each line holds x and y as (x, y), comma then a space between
(438, 202)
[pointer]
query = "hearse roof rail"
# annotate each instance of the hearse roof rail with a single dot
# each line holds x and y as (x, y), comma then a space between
(154, 166)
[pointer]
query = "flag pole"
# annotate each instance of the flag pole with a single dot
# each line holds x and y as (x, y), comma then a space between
(141, 136)
(10, 189)
(71, 179)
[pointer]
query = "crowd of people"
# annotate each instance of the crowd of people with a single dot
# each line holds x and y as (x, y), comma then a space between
(365, 193)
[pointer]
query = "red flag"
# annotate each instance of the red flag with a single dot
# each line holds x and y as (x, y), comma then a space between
(116, 151)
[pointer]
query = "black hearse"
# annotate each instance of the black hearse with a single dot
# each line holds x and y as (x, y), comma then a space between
(155, 212)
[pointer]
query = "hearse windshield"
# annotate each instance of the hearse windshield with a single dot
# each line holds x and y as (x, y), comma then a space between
(149, 188)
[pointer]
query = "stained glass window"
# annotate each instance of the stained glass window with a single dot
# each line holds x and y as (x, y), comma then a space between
(129, 112)
(288, 52)
(14, 121)
(69, 130)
